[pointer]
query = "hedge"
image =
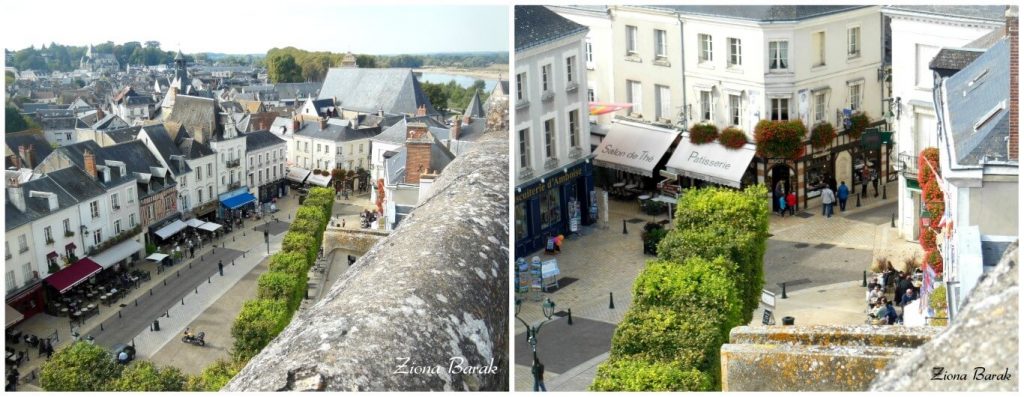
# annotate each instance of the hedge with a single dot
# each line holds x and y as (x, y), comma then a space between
(633, 374)
(688, 337)
(257, 324)
(697, 283)
(745, 210)
(282, 286)
(289, 262)
(80, 367)
(214, 377)
(301, 243)
(144, 376)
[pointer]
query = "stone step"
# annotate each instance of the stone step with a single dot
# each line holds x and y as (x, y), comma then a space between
(828, 335)
(788, 367)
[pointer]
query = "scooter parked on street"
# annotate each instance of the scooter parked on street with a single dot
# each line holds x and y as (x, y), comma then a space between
(194, 339)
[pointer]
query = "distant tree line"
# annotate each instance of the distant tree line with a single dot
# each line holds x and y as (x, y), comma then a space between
(65, 58)
(451, 95)
(292, 65)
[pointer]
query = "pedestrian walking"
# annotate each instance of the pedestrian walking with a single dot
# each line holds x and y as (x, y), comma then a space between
(791, 203)
(842, 194)
(191, 252)
(865, 174)
(782, 206)
(538, 376)
(49, 349)
(874, 181)
(220, 267)
(827, 200)
(342, 222)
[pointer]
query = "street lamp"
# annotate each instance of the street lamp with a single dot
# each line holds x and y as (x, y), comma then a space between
(548, 308)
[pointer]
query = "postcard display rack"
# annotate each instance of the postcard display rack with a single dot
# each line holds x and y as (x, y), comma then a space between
(535, 277)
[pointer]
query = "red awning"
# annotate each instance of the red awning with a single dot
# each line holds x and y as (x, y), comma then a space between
(51, 255)
(72, 275)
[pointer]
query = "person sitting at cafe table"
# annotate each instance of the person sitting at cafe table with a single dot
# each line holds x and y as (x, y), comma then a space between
(908, 297)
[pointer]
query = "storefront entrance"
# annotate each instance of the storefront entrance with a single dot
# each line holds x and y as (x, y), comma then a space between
(558, 204)
(781, 174)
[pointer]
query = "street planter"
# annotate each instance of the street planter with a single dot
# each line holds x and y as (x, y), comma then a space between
(652, 235)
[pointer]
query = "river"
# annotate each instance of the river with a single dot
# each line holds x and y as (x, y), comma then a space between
(464, 81)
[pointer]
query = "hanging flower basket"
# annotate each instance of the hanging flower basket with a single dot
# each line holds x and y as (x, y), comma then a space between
(732, 138)
(858, 123)
(822, 135)
(783, 139)
(702, 133)
(933, 259)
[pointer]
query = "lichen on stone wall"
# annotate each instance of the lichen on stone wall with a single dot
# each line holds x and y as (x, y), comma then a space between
(424, 309)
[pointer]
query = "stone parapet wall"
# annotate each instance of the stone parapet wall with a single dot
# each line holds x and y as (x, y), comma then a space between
(425, 309)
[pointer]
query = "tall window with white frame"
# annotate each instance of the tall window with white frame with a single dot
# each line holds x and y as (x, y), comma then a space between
(633, 96)
(524, 148)
(574, 128)
(735, 52)
(706, 53)
(630, 40)
(855, 97)
(819, 107)
(778, 55)
(590, 54)
(549, 138)
(734, 109)
(545, 78)
(780, 109)
(705, 105)
(818, 45)
(590, 95)
(570, 69)
(660, 44)
(520, 86)
(853, 42)
(663, 105)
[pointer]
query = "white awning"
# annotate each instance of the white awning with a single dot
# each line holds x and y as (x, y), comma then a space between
(633, 147)
(319, 180)
(209, 226)
(115, 254)
(711, 161)
(12, 316)
(156, 257)
(170, 229)
(194, 222)
(297, 174)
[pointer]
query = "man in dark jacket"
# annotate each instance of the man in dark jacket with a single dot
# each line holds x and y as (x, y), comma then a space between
(538, 376)
(902, 286)
(842, 194)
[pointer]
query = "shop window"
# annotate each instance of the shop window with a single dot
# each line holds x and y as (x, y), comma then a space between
(550, 208)
(522, 227)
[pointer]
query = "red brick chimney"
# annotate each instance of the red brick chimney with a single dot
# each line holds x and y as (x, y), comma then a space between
(456, 129)
(90, 163)
(99, 114)
(1011, 31)
(417, 156)
(296, 124)
(22, 154)
(30, 161)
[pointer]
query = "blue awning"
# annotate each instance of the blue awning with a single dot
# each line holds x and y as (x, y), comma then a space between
(238, 201)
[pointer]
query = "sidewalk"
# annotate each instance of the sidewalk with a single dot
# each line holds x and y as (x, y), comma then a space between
(201, 296)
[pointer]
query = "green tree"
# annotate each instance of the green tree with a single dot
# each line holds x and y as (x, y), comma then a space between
(13, 121)
(436, 94)
(79, 367)
(144, 376)
(283, 69)
(366, 61)
(637, 374)
(9, 78)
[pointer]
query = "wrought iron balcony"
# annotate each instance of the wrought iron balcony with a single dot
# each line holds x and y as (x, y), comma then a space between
(234, 185)
(233, 163)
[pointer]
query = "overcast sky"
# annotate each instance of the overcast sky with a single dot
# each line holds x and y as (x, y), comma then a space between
(249, 27)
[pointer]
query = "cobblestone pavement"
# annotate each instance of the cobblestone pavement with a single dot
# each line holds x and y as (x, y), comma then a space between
(821, 259)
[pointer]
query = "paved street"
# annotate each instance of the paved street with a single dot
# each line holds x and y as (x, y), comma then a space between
(821, 260)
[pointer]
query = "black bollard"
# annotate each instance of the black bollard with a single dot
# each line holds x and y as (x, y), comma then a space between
(611, 301)
(208, 280)
(101, 327)
(570, 316)
(784, 291)
(892, 223)
(865, 282)
(200, 257)
(232, 238)
(197, 290)
(178, 272)
(232, 262)
(136, 303)
(183, 301)
(190, 265)
(624, 227)
(858, 201)
(118, 314)
(883, 192)
(165, 282)
(222, 244)
(243, 254)
(167, 313)
(150, 292)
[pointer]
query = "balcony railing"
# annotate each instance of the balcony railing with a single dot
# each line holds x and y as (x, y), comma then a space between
(234, 185)
(907, 165)
(233, 163)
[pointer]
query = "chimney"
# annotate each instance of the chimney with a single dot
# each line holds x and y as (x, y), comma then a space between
(296, 124)
(90, 163)
(14, 193)
(1011, 32)
(417, 156)
(421, 111)
(323, 123)
(23, 154)
(99, 114)
(29, 160)
(15, 160)
(426, 181)
(456, 129)
(466, 119)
